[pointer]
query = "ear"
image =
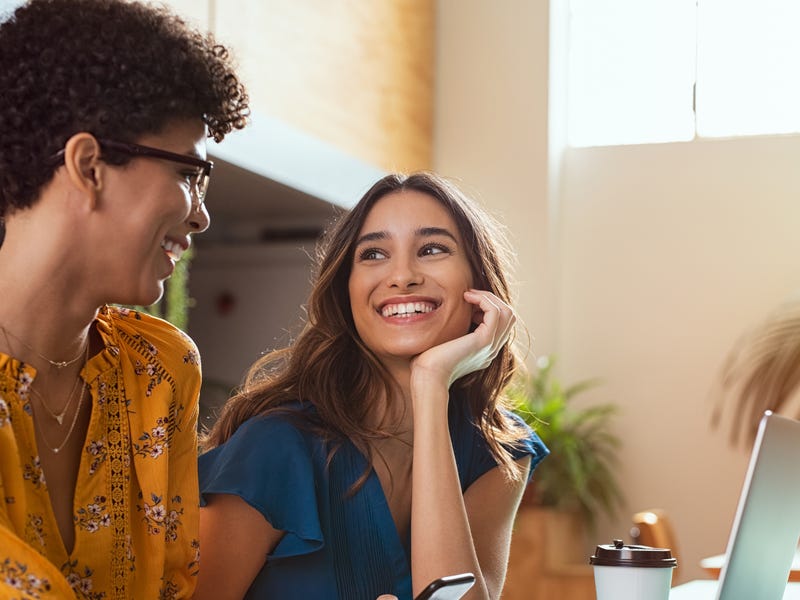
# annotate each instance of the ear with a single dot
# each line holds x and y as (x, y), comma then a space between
(83, 164)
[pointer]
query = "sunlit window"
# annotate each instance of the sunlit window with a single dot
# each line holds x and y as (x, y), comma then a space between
(633, 65)
(748, 67)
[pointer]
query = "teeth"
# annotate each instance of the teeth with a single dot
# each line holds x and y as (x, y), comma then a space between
(407, 308)
(173, 249)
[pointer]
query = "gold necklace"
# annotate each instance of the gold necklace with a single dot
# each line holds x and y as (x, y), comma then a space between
(63, 443)
(79, 379)
(58, 364)
(58, 416)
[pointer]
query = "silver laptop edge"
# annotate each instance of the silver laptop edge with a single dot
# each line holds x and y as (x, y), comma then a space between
(766, 527)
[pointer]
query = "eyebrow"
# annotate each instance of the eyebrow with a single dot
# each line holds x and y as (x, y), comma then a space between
(421, 232)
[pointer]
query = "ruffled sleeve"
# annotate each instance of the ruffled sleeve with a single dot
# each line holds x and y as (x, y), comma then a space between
(473, 454)
(531, 444)
(270, 464)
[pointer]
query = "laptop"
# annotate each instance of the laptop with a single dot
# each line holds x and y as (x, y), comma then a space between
(766, 527)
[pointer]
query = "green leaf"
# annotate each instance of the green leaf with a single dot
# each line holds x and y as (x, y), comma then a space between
(580, 472)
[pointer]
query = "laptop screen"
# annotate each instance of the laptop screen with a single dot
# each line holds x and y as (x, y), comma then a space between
(766, 527)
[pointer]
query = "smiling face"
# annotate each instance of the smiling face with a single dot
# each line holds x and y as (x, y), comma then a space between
(149, 202)
(409, 274)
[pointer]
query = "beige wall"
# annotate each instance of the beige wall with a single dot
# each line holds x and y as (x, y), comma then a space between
(660, 256)
(198, 12)
(490, 133)
(668, 253)
(357, 74)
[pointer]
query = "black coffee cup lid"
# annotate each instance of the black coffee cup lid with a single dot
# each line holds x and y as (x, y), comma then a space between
(618, 554)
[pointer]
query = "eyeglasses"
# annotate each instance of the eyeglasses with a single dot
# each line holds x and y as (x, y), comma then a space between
(200, 179)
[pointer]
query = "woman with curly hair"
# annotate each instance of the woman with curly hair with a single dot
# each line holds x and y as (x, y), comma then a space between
(105, 106)
(377, 452)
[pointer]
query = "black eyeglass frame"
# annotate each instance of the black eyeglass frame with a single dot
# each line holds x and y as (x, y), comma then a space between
(205, 166)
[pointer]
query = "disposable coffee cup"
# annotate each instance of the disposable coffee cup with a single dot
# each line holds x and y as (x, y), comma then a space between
(623, 572)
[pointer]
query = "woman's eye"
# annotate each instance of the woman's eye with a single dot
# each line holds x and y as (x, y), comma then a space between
(371, 254)
(431, 249)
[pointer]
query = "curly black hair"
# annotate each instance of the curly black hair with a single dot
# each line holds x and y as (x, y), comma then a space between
(114, 68)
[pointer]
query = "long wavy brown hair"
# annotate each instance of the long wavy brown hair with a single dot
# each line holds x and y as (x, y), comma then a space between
(329, 367)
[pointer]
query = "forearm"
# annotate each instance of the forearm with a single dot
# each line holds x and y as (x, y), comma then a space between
(235, 540)
(441, 540)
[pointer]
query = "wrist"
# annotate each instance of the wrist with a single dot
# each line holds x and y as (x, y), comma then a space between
(429, 397)
(428, 383)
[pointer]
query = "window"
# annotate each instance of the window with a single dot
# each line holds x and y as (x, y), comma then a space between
(748, 67)
(633, 65)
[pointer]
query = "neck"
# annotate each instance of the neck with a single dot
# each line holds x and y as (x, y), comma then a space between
(399, 370)
(394, 413)
(50, 352)
(41, 307)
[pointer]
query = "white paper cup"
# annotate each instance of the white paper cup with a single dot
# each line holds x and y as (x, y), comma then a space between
(632, 572)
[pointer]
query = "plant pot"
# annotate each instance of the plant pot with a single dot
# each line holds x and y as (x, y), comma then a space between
(547, 557)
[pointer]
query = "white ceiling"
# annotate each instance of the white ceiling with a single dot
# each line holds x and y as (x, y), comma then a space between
(273, 180)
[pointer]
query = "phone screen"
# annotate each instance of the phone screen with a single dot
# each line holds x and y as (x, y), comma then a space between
(451, 587)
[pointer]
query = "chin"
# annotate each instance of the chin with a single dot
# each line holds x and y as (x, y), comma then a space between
(141, 298)
(406, 352)
(153, 298)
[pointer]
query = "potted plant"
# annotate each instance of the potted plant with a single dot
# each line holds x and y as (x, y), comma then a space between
(569, 489)
(579, 475)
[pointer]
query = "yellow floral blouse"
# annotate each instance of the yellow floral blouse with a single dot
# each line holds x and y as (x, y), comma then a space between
(136, 498)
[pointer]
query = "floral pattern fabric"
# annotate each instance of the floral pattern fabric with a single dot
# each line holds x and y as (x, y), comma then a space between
(136, 497)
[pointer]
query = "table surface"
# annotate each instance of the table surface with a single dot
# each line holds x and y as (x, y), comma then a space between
(713, 565)
(706, 589)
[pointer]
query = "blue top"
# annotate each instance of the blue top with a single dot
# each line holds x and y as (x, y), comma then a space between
(336, 547)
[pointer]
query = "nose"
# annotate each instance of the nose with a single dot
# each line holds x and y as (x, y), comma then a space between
(404, 273)
(198, 218)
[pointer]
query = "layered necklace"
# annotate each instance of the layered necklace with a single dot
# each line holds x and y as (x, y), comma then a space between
(79, 383)
(58, 364)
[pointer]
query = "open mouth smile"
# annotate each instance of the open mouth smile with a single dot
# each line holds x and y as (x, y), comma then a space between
(173, 249)
(407, 309)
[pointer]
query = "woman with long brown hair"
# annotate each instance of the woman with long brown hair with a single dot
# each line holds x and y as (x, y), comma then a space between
(377, 453)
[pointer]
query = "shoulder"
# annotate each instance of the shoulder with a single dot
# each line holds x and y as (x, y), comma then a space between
(275, 429)
(149, 335)
(275, 441)
(271, 462)
(472, 450)
(528, 441)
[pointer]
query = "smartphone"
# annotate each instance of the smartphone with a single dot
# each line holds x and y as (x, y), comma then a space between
(451, 587)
